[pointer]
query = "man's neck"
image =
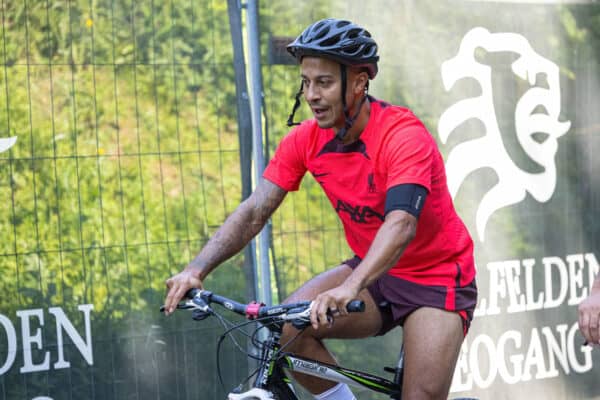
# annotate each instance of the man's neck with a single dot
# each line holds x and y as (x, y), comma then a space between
(360, 122)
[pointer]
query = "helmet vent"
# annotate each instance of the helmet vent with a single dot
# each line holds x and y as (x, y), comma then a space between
(352, 50)
(354, 33)
(330, 41)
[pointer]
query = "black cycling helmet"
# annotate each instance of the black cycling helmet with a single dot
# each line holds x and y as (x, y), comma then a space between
(339, 40)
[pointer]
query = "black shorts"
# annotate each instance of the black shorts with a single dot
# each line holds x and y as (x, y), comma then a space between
(397, 298)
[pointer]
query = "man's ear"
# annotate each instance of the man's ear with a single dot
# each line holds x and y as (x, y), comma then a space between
(360, 82)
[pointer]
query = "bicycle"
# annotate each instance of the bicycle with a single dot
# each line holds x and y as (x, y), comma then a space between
(271, 382)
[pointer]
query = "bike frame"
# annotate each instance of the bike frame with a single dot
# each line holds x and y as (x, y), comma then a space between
(271, 378)
(271, 382)
(343, 375)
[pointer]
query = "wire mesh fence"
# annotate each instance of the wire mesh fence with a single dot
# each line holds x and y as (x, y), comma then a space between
(120, 156)
(125, 161)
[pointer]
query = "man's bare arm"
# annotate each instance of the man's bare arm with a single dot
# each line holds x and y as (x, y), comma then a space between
(236, 232)
(393, 236)
(239, 228)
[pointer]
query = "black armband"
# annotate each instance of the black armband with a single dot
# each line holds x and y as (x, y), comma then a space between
(408, 197)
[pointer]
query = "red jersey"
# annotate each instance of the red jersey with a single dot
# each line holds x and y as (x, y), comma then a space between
(394, 148)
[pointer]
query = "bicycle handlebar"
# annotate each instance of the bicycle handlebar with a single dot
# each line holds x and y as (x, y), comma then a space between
(201, 299)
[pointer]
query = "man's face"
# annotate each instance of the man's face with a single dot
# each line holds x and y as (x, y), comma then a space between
(322, 87)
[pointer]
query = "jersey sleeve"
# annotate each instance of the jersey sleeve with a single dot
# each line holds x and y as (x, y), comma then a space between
(287, 167)
(409, 155)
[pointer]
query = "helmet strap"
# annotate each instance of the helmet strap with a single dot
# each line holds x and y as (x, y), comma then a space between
(348, 120)
(290, 121)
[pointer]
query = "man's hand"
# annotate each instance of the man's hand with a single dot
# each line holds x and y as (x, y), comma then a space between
(177, 287)
(589, 317)
(334, 300)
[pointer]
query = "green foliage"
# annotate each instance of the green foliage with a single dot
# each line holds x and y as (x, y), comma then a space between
(127, 161)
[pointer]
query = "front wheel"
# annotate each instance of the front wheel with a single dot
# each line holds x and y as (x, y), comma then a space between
(253, 394)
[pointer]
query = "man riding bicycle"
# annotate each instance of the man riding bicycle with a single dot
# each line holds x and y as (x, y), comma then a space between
(385, 177)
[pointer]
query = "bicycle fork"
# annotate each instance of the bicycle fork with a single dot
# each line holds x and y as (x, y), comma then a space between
(271, 382)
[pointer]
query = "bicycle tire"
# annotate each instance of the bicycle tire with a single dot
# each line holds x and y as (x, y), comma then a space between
(255, 394)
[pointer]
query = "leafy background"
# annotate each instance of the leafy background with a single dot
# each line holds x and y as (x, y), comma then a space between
(127, 160)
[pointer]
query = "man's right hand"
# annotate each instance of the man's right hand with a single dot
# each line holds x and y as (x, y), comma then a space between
(177, 287)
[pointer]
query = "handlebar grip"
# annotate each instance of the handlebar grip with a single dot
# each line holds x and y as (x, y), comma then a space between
(356, 306)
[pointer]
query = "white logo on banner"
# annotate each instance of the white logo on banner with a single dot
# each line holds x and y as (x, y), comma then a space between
(7, 143)
(488, 151)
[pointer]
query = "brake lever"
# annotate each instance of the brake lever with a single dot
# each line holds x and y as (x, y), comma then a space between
(293, 314)
(186, 305)
(300, 319)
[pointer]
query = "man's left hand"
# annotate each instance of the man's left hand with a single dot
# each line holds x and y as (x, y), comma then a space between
(335, 301)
